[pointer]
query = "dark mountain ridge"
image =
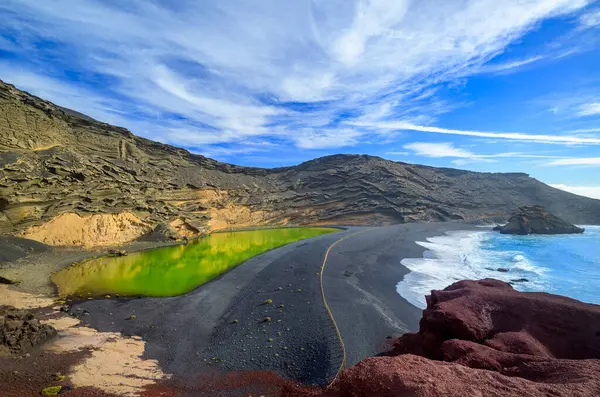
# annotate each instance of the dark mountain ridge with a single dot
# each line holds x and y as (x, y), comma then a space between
(54, 161)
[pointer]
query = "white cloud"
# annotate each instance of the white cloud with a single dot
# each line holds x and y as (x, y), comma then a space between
(405, 126)
(197, 72)
(326, 139)
(584, 131)
(588, 191)
(590, 19)
(308, 88)
(438, 150)
(221, 152)
(444, 149)
(245, 119)
(576, 161)
(507, 66)
(589, 109)
(372, 20)
(577, 102)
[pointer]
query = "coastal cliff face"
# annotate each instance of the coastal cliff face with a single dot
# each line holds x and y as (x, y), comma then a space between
(66, 179)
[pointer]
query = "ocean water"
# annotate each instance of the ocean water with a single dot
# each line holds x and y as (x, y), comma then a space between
(560, 264)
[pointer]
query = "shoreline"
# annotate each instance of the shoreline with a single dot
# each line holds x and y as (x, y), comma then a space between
(32, 267)
(361, 280)
(184, 333)
(429, 245)
(32, 272)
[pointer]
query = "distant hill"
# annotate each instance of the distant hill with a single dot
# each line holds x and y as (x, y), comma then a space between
(56, 161)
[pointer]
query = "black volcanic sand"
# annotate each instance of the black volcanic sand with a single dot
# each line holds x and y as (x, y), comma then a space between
(360, 285)
(222, 325)
(14, 248)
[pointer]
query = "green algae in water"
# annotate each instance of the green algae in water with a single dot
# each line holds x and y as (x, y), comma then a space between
(175, 270)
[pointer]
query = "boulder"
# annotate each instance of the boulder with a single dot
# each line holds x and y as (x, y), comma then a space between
(519, 280)
(483, 338)
(20, 330)
(536, 220)
(116, 252)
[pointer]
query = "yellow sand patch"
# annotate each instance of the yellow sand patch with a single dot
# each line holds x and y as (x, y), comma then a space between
(235, 216)
(45, 147)
(22, 300)
(71, 229)
(115, 365)
(61, 323)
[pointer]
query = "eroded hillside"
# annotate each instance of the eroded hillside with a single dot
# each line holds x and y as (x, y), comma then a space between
(67, 179)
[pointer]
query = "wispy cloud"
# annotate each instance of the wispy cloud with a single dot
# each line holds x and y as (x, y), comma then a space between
(327, 139)
(503, 67)
(590, 19)
(207, 73)
(584, 131)
(589, 109)
(440, 150)
(445, 149)
(588, 191)
(515, 136)
(578, 103)
(576, 161)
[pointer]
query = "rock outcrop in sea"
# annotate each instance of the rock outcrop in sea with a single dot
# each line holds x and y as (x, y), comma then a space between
(536, 220)
(483, 338)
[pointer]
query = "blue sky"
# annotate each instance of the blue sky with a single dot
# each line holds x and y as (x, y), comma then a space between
(485, 85)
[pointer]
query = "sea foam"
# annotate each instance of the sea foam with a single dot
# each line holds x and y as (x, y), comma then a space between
(461, 255)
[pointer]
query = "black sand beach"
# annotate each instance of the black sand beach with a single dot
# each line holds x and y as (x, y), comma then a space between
(223, 325)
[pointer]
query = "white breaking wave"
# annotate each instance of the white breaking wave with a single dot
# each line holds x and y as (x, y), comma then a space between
(459, 255)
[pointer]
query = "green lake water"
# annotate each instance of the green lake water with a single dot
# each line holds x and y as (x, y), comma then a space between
(174, 270)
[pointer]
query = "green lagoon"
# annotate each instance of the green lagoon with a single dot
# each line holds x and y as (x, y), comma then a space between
(174, 270)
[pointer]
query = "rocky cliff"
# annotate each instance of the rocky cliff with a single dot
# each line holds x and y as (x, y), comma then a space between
(66, 179)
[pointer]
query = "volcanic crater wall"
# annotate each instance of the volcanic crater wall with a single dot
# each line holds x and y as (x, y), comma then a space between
(57, 165)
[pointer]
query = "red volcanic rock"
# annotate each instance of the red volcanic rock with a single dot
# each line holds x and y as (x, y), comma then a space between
(414, 376)
(491, 313)
(483, 338)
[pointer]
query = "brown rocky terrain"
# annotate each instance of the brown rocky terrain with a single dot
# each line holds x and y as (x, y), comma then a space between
(536, 220)
(20, 331)
(66, 179)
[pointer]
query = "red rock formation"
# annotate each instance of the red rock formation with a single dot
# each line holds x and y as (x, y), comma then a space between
(483, 338)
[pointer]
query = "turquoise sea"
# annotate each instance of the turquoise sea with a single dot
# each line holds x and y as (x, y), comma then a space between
(561, 264)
